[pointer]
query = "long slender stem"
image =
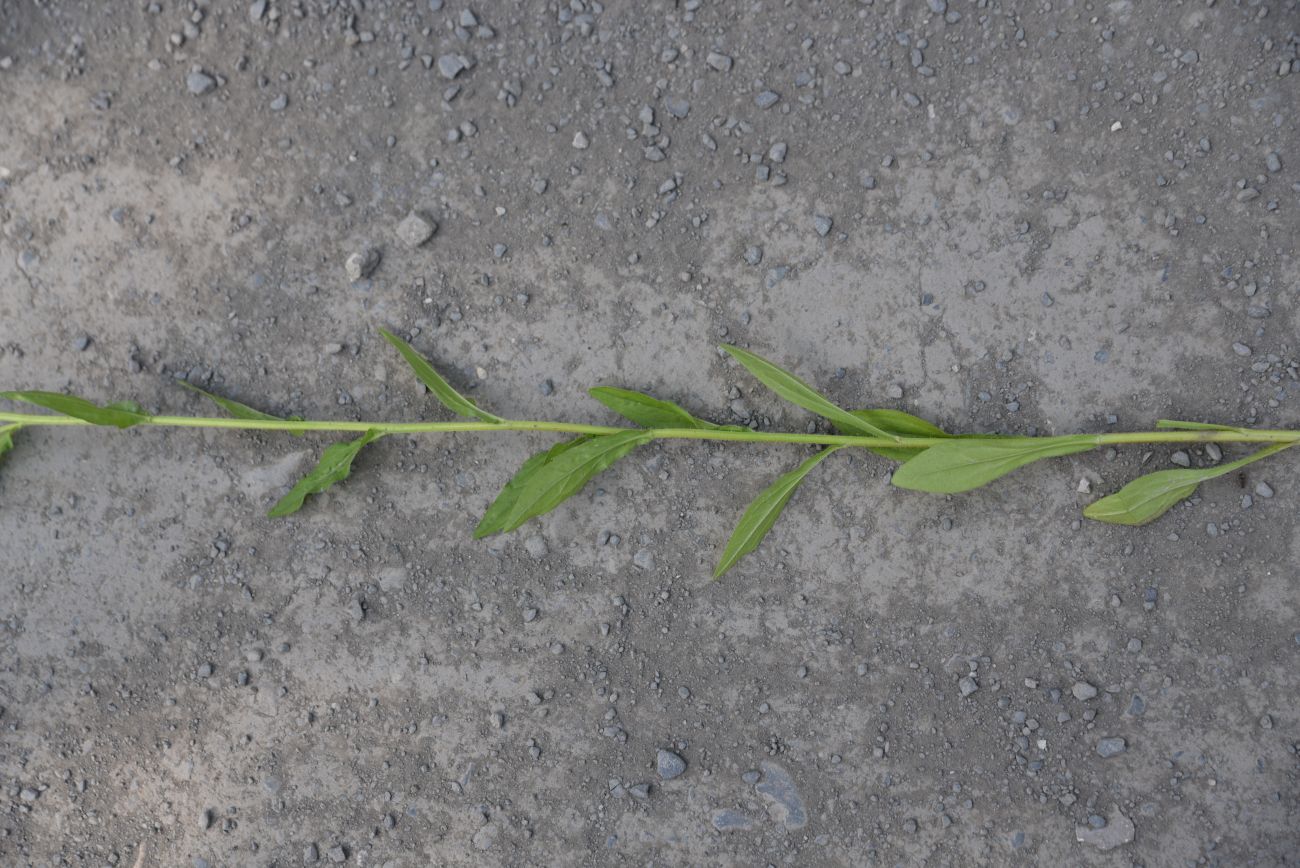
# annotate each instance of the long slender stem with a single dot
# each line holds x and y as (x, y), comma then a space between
(32, 420)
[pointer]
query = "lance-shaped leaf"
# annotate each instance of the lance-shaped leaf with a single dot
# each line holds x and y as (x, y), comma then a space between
(241, 411)
(651, 412)
(763, 513)
(1148, 497)
(566, 473)
(796, 391)
(961, 464)
(494, 519)
(1176, 425)
(121, 414)
(7, 438)
(334, 466)
(901, 424)
(442, 390)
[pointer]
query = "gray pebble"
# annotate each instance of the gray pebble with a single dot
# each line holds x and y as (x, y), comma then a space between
(280, 103)
(669, 765)
(1082, 690)
(785, 803)
(1181, 458)
(1264, 490)
(1273, 162)
(777, 152)
(867, 180)
(199, 82)
(718, 61)
(361, 264)
(644, 559)
(1213, 451)
(81, 342)
(1240, 349)
(256, 10)
(822, 224)
(1111, 746)
(337, 853)
(753, 254)
(580, 141)
(767, 99)
(968, 685)
(677, 107)
(416, 228)
(452, 65)
(725, 820)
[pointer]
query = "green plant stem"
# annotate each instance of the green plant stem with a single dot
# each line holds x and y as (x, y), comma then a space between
(32, 420)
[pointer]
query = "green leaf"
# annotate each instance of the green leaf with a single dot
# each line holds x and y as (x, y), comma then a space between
(7, 438)
(651, 412)
(565, 474)
(903, 425)
(335, 465)
(494, 519)
(961, 464)
(241, 411)
(1168, 424)
(122, 414)
(442, 390)
(763, 513)
(796, 391)
(1148, 497)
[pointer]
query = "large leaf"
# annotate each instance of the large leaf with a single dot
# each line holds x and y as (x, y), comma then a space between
(450, 398)
(796, 391)
(961, 464)
(1176, 425)
(121, 414)
(494, 519)
(763, 513)
(566, 473)
(1148, 497)
(335, 465)
(241, 411)
(649, 412)
(903, 425)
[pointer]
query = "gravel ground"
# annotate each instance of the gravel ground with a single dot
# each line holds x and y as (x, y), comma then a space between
(1022, 217)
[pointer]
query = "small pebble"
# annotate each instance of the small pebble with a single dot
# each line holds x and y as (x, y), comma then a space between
(1112, 746)
(669, 765)
(415, 229)
(580, 141)
(766, 99)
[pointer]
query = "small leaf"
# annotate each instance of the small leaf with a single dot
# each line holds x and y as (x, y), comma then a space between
(335, 465)
(1173, 424)
(241, 411)
(122, 414)
(763, 513)
(494, 519)
(903, 425)
(7, 438)
(796, 391)
(649, 412)
(1148, 497)
(961, 464)
(566, 473)
(442, 390)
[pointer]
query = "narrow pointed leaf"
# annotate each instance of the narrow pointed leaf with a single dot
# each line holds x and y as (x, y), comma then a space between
(1174, 424)
(962, 464)
(649, 412)
(442, 390)
(122, 414)
(796, 391)
(494, 519)
(903, 425)
(1148, 497)
(334, 466)
(241, 411)
(565, 474)
(763, 513)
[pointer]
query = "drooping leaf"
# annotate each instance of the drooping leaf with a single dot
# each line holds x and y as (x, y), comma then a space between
(334, 466)
(961, 464)
(763, 513)
(122, 414)
(903, 425)
(1176, 425)
(796, 391)
(494, 519)
(566, 473)
(241, 411)
(442, 390)
(649, 412)
(1148, 497)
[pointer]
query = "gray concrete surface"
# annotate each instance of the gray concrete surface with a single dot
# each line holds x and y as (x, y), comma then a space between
(1046, 217)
